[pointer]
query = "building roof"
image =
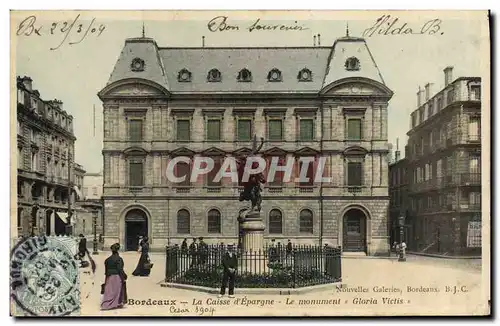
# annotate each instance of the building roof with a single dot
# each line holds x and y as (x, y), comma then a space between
(348, 47)
(327, 65)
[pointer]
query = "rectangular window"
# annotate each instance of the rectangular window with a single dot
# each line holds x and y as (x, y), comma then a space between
(474, 164)
(34, 161)
(309, 174)
(135, 129)
(413, 120)
(244, 130)
(475, 198)
(184, 130)
(136, 178)
(306, 129)
(20, 158)
(422, 112)
(183, 169)
(431, 108)
(213, 129)
(213, 173)
(354, 174)
(278, 175)
(439, 103)
(354, 129)
(275, 130)
(475, 92)
(474, 130)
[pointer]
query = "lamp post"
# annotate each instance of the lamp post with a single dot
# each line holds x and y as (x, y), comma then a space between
(94, 220)
(402, 245)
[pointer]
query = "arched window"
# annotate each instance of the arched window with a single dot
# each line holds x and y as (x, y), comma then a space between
(244, 75)
(214, 75)
(214, 221)
(306, 221)
(275, 222)
(183, 222)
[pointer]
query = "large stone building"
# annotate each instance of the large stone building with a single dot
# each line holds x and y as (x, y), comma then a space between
(444, 169)
(329, 101)
(46, 183)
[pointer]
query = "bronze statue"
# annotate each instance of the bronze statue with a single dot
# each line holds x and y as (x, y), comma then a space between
(252, 187)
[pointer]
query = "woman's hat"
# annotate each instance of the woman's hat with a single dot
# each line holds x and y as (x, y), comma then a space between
(115, 247)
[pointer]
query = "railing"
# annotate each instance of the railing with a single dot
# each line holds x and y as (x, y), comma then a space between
(274, 189)
(271, 267)
(474, 137)
(214, 189)
(182, 190)
(470, 179)
(306, 189)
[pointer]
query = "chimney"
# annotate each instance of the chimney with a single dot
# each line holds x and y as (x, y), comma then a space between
(203, 41)
(398, 153)
(448, 75)
(428, 91)
(314, 40)
(319, 39)
(28, 82)
(419, 98)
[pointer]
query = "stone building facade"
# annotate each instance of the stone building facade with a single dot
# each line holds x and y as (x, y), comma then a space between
(329, 101)
(444, 168)
(45, 164)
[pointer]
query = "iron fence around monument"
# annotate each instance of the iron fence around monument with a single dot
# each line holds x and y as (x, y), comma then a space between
(271, 267)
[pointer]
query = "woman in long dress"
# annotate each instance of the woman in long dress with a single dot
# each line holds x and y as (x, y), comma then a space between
(141, 270)
(115, 290)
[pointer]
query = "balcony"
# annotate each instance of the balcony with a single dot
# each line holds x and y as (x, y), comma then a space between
(306, 189)
(49, 148)
(213, 189)
(274, 189)
(470, 179)
(183, 190)
(474, 138)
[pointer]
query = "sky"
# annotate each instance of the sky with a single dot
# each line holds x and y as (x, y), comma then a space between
(75, 73)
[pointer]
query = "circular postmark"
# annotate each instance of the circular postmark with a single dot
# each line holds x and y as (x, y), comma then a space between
(44, 277)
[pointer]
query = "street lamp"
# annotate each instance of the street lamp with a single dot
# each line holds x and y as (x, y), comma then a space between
(94, 220)
(402, 246)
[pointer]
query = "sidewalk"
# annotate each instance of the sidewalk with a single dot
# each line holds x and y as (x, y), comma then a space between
(442, 256)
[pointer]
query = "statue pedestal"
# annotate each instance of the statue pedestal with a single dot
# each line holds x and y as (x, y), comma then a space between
(253, 257)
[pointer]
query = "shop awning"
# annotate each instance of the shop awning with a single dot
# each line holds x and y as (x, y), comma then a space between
(63, 217)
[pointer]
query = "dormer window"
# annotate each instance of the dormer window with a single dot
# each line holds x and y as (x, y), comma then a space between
(184, 76)
(214, 75)
(305, 75)
(274, 75)
(137, 65)
(352, 64)
(245, 75)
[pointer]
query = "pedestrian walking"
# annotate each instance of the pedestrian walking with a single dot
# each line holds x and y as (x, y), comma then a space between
(230, 265)
(114, 289)
(193, 252)
(144, 264)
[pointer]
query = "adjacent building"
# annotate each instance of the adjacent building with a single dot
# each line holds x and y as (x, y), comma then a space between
(91, 207)
(444, 169)
(46, 170)
(164, 102)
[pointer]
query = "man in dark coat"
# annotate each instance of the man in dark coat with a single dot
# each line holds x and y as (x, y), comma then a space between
(230, 265)
(193, 252)
(202, 250)
(82, 247)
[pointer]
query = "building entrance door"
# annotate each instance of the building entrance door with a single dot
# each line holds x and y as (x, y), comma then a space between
(354, 231)
(136, 224)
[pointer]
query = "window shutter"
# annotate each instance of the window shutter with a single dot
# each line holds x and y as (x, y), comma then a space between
(213, 130)
(244, 129)
(135, 130)
(275, 129)
(306, 129)
(354, 174)
(354, 129)
(183, 130)
(135, 174)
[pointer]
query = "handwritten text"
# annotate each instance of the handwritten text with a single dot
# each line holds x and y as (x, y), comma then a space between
(73, 31)
(220, 24)
(387, 25)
